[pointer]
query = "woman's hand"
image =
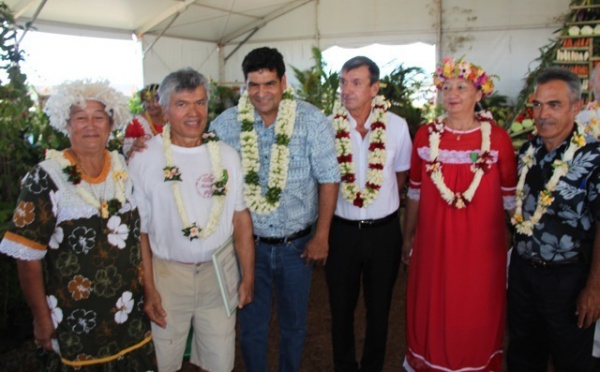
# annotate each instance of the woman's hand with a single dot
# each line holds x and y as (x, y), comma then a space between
(43, 330)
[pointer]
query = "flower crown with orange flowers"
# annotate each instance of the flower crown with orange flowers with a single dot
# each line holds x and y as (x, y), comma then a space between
(452, 68)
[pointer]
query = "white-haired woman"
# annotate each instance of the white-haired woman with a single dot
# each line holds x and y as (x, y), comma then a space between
(75, 235)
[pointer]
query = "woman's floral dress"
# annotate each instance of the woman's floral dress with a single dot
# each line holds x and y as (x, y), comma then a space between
(92, 270)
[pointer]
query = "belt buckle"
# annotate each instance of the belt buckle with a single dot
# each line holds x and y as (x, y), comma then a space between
(364, 223)
(539, 264)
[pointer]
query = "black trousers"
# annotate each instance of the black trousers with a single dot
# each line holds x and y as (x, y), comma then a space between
(373, 254)
(542, 320)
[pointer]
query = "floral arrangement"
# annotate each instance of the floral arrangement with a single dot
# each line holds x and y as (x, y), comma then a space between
(58, 107)
(106, 207)
(482, 161)
(376, 158)
(280, 153)
(192, 230)
(460, 69)
(545, 198)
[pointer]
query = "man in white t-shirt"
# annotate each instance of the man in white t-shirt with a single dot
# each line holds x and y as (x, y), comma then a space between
(188, 187)
(374, 149)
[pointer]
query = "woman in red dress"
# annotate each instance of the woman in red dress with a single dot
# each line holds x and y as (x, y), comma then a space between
(462, 179)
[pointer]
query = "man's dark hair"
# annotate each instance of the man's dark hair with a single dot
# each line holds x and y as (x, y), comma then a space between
(263, 58)
(359, 61)
(556, 73)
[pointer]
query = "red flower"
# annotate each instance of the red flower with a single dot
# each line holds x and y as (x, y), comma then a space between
(376, 145)
(348, 178)
(372, 186)
(358, 201)
(375, 166)
(345, 158)
(377, 124)
(342, 134)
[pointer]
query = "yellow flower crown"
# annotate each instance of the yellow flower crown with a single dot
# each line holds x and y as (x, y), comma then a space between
(452, 68)
(149, 93)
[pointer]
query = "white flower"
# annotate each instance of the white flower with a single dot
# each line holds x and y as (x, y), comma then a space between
(54, 200)
(55, 312)
(218, 200)
(437, 177)
(278, 166)
(56, 238)
(118, 232)
(124, 306)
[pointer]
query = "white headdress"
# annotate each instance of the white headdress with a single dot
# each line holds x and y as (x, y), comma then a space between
(77, 92)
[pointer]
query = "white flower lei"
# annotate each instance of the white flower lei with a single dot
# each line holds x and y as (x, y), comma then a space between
(191, 229)
(118, 173)
(545, 198)
(280, 153)
(376, 158)
(482, 164)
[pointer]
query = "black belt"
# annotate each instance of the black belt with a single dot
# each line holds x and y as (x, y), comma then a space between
(285, 239)
(367, 223)
(538, 262)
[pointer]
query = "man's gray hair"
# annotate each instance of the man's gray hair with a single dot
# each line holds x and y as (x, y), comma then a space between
(183, 79)
(570, 78)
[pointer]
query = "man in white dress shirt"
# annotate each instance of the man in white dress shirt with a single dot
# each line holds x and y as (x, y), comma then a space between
(374, 149)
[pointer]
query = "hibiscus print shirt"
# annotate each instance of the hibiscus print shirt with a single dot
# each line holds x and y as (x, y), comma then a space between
(567, 229)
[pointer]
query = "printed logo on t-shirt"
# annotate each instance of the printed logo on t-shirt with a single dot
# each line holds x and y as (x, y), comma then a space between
(204, 185)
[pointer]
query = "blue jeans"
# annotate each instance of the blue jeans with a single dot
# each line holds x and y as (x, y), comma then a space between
(279, 265)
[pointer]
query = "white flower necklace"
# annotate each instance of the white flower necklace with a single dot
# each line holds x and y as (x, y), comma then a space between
(73, 175)
(218, 189)
(280, 153)
(545, 198)
(482, 164)
(376, 158)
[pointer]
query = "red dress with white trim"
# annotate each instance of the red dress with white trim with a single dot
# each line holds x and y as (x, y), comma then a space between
(456, 292)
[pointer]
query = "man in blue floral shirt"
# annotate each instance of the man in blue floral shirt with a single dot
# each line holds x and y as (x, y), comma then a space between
(291, 177)
(554, 276)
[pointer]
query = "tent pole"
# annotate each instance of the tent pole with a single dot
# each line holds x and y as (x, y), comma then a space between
(221, 49)
(161, 34)
(30, 23)
(242, 43)
(317, 31)
(440, 52)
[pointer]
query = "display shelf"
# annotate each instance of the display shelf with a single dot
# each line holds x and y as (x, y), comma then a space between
(579, 53)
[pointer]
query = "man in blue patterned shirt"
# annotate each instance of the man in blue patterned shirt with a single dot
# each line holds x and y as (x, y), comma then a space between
(554, 275)
(291, 178)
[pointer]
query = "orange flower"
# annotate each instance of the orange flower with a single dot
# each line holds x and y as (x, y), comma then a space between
(80, 287)
(24, 214)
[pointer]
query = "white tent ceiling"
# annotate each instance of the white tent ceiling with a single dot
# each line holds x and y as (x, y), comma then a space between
(214, 35)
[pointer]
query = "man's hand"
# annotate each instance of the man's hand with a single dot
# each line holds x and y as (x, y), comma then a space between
(153, 307)
(139, 145)
(316, 251)
(245, 293)
(588, 307)
(43, 330)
